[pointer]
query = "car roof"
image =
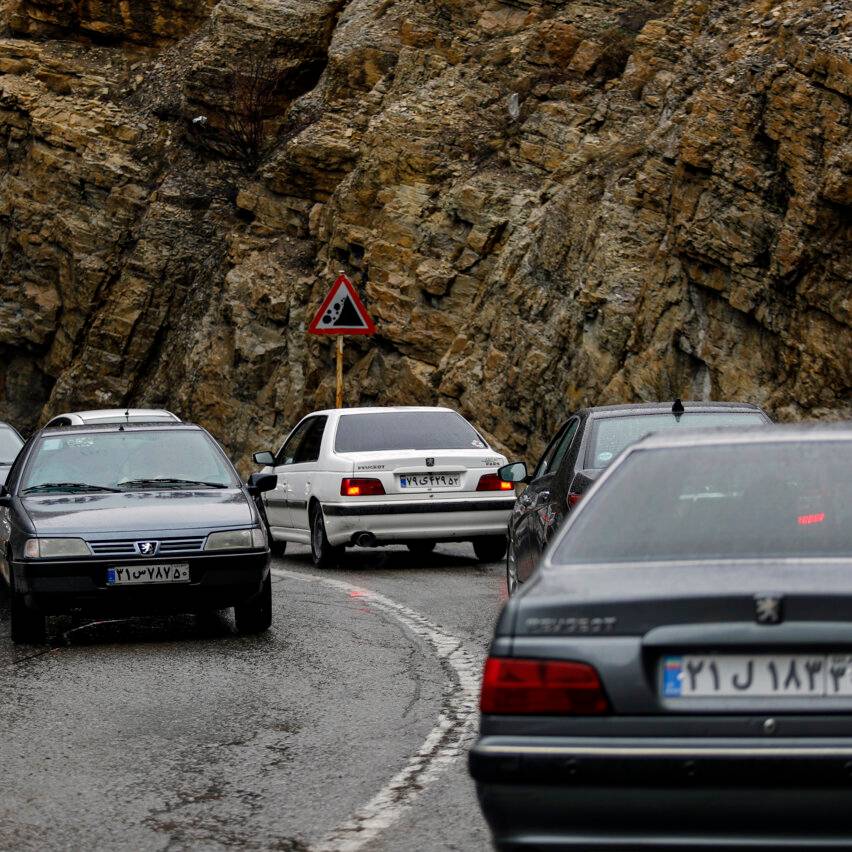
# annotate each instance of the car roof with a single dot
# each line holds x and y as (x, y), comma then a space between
(767, 434)
(384, 409)
(137, 426)
(95, 413)
(663, 407)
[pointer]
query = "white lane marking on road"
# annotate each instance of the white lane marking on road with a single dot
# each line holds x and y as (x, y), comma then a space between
(445, 743)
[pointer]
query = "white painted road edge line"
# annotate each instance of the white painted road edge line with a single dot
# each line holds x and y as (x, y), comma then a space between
(445, 743)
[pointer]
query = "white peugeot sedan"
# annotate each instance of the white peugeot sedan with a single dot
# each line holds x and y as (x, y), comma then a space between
(376, 476)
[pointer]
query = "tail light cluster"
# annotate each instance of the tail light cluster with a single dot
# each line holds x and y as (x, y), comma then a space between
(363, 487)
(492, 482)
(554, 687)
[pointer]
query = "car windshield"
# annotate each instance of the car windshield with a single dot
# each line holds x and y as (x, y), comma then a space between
(10, 444)
(405, 430)
(125, 461)
(610, 435)
(789, 499)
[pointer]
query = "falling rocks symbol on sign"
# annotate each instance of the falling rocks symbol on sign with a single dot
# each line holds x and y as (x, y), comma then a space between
(342, 313)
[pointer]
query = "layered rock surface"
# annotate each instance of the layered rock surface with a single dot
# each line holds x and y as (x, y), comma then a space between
(544, 205)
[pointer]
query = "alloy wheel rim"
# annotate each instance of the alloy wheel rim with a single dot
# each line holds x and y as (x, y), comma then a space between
(511, 570)
(315, 538)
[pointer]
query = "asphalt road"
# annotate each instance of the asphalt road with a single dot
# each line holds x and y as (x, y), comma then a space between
(343, 728)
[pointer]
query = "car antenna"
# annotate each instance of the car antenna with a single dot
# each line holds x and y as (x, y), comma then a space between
(677, 409)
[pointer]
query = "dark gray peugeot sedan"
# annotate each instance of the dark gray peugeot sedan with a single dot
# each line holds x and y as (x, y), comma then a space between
(131, 519)
(678, 673)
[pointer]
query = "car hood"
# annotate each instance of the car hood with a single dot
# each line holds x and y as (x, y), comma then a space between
(137, 511)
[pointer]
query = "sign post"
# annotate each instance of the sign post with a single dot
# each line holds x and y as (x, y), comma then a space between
(342, 312)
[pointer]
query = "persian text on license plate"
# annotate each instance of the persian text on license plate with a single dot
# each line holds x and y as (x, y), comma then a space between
(135, 574)
(412, 481)
(756, 675)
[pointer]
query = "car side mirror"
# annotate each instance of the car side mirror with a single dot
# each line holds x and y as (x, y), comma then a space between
(5, 497)
(260, 482)
(264, 458)
(514, 472)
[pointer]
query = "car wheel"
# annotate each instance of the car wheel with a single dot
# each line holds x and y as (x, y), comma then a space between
(256, 615)
(28, 625)
(491, 549)
(511, 569)
(278, 548)
(323, 554)
(421, 547)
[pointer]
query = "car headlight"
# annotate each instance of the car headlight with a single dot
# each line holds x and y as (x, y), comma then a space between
(55, 548)
(236, 539)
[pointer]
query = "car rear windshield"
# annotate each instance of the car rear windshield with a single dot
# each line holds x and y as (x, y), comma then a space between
(610, 435)
(405, 430)
(126, 461)
(10, 444)
(735, 501)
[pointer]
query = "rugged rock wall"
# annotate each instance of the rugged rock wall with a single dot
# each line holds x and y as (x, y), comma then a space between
(544, 205)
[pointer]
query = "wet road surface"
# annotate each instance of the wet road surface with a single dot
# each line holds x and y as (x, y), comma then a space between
(343, 728)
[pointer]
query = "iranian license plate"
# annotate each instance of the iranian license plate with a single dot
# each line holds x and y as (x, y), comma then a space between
(415, 481)
(756, 675)
(136, 574)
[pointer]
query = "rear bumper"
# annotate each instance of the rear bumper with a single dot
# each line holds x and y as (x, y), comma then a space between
(553, 793)
(439, 520)
(216, 581)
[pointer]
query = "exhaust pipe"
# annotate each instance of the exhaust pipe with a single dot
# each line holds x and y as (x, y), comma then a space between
(364, 539)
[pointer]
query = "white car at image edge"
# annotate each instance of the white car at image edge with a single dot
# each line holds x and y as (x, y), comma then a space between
(376, 476)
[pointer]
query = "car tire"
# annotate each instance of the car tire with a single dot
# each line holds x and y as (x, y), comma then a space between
(323, 553)
(255, 616)
(421, 547)
(511, 569)
(28, 625)
(490, 549)
(277, 548)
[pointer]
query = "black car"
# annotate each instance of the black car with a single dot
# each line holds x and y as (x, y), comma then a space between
(580, 451)
(131, 519)
(678, 672)
(10, 445)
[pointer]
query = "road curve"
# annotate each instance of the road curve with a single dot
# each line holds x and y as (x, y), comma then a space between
(342, 729)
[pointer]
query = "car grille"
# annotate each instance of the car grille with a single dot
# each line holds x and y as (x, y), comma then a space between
(127, 547)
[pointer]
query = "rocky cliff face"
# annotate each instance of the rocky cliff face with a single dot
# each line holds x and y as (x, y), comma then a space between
(543, 204)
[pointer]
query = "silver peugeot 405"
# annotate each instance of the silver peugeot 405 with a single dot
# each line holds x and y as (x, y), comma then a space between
(678, 673)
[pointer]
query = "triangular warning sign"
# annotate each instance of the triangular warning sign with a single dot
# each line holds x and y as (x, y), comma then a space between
(342, 312)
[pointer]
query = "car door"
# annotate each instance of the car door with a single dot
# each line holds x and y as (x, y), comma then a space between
(524, 507)
(301, 470)
(276, 501)
(543, 507)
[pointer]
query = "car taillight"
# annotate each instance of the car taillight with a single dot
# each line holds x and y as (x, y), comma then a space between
(515, 687)
(361, 487)
(492, 482)
(573, 499)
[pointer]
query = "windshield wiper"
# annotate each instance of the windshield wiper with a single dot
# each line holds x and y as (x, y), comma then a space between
(165, 480)
(69, 486)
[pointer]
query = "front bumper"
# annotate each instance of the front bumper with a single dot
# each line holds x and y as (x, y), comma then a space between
(435, 519)
(216, 581)
(594, 794)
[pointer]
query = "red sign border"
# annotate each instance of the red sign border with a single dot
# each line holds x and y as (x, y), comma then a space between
(359, 305)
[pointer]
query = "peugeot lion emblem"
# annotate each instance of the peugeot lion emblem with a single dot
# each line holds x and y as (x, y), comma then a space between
(147, 548)
(430, 462)
(768, 609)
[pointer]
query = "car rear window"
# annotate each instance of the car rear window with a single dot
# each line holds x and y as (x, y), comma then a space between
(123, 460)
(10, 445)
(741, 501)
(405, 430)
(610, 435)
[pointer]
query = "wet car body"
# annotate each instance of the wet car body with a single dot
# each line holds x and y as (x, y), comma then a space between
(10, 445)
(146, 532)
(567, 469)
(652, 765)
